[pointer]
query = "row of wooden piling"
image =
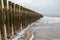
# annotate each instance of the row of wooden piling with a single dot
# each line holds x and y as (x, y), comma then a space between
(14, 18)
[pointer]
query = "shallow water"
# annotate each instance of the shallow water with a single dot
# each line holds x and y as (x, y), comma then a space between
(47, 28)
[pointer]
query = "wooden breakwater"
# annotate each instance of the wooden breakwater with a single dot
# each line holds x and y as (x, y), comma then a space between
(14, 18)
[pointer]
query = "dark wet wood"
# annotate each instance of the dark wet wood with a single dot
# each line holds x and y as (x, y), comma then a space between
(2, 22)
(10, 17)
(7, 18)
(16, 18)
(13, 19)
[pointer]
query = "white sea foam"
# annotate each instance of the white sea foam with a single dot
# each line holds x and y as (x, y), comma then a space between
(50, 20)
(43, 21)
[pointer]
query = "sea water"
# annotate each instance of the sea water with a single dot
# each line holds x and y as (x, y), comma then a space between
(46, 28)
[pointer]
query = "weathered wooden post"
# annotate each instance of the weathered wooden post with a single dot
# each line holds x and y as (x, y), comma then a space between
(18, 29)
(24, 21)
(19, 20)
(13, 20)
(29, 17)
(27, 11)
(17, 16)
(2, 22)
(21, 11)
(7, 18)
(10, 17)
(24, 18)
(30, 13)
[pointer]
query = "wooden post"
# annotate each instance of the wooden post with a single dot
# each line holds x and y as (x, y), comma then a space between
(21, 11)
(2, 22)
(10, 17)
(18, 27)
(17, 16)
(14, 21)
(22, 18)
(29, 17)
(19, 20)
(24, 22)
(7, 18)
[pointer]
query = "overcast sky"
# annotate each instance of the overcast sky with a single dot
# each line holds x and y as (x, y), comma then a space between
(45, 7)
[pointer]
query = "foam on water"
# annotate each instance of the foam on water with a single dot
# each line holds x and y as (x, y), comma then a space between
(43, 20)
(50, 20)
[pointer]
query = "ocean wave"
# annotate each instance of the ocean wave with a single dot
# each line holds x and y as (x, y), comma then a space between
(50, 20)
